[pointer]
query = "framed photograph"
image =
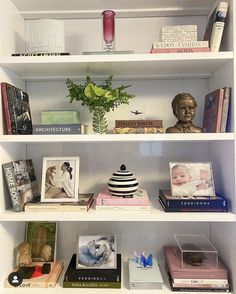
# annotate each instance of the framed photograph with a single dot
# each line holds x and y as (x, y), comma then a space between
(60, 179)
(97, 252)
(191, 179)
(42, 236)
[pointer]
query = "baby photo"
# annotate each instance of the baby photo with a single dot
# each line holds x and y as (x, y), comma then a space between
(60, 179)
(191, 179)
(96, 252)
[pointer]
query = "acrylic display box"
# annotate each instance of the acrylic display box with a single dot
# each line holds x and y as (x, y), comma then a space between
(197, 251)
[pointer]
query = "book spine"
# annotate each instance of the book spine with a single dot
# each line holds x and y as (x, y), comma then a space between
(91, 284)
(122, 201)
(41, 54)
(139, 130)
(206, 282)
(45, 208)
(187, 44)
(122, 208)
(40, 129)
(6, 108)
(180, 50)
(219, 113)
(138, 123)
(225, 109)
(179, 28)
(218, 26)
(12, 186)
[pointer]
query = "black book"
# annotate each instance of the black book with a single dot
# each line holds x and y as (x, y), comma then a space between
(16, 110)
(93, 275)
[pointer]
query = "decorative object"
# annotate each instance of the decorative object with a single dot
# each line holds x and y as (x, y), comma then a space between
(143, 260)
(60, 179)
(108, 30)
(24, 258)
(123, 183)
(191, 179)
(184, 108)
(96, 252)
(99, 99)
(46, 254)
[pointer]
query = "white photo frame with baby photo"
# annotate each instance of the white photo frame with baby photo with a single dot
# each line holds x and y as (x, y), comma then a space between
(96, 252)
(189, 179)
(60, 179)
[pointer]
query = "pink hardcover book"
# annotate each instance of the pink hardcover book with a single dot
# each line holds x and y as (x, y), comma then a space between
(179, 50)
(204, 271)
(213, 111)
(106, 199)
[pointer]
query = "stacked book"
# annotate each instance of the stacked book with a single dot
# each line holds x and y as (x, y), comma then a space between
(172, 203)
(139, 201)
(60, 122)
(190, 278)
(179, 39)
(92, 277)
(138, 126)
(216, 111)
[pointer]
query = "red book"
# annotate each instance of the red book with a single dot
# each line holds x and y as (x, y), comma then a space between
(213, 111)
(180, 50)
(140, 198)
(205, 271)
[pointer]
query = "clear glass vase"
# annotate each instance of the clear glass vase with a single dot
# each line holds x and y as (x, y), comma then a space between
(108, 30)
(100, 124)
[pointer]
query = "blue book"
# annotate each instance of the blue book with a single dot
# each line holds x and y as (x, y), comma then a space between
(195, 203)
(55, 129)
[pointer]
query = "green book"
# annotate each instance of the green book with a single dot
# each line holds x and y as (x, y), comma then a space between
(91, 284)
(60, 117)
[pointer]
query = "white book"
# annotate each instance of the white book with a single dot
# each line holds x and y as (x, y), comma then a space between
(173, 29)
(122, 208)
(187, 44)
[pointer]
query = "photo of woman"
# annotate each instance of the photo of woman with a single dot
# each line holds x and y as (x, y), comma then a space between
(60, 180)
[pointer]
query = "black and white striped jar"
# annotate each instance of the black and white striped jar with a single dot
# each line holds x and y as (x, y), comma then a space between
(123, 183)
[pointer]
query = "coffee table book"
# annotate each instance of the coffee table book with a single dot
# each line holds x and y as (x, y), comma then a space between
(139, 201)
(44, 281)
(92, 278)
(85, 201)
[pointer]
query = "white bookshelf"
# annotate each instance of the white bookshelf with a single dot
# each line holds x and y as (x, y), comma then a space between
(155, 80)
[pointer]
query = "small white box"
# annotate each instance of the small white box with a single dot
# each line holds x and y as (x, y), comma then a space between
(144, 277)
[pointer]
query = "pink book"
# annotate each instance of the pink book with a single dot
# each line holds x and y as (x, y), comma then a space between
(180, 50)
(213, 111)
(204, 271)
(106, 199)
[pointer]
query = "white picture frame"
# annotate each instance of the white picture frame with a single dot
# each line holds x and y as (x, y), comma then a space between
(190, 179)
(60, 179)
(96, 252)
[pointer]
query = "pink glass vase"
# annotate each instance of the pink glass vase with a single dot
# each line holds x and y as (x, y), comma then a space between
(108, 30)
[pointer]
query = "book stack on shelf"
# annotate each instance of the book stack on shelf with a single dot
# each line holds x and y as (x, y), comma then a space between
(179, 39)
(138, 126)
(192, 264)
(96, 264)
(60, 122)
(192, 189)
(217, 111)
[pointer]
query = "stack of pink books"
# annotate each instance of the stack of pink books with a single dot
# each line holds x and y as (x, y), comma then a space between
(204, 277)
(139, 201)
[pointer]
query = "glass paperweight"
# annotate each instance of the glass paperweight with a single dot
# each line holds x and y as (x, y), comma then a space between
(197, 251)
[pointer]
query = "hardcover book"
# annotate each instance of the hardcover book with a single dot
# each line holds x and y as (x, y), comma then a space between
(42, 281)
(200, 202)
(215, 26)
(60, 117)
(16, 110)
(41, 54)
(204, 271)
(139, 130)
(92, 278)
(180, 50)
(57, 129)
(135, 123)
(21, 183)
(213, 111)
(140, 198)
(187, 44)
(84, 203)
(225, 109)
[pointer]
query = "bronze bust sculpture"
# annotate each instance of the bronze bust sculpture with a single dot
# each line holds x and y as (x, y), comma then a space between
(184, 107)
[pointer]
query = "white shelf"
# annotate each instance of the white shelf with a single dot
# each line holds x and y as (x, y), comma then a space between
(155, 214)
(199, 137)
(90, 9)
(123, 66)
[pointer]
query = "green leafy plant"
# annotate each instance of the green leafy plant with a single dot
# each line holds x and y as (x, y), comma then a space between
(99, 99)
